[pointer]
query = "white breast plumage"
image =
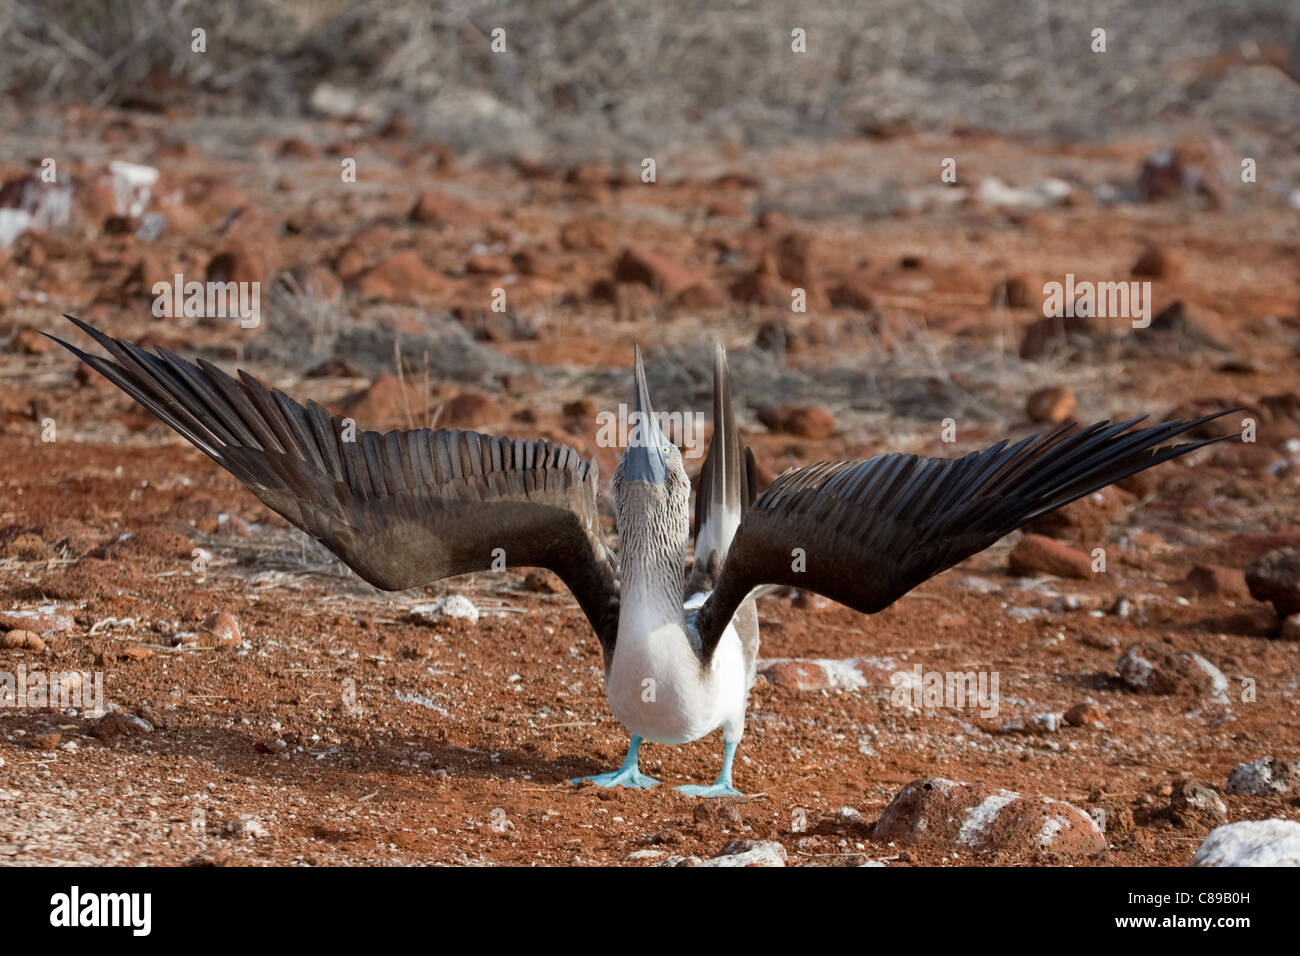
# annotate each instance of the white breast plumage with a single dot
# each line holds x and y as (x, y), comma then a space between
(659, 691)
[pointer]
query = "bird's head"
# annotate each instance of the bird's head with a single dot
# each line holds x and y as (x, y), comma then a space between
(651, 490)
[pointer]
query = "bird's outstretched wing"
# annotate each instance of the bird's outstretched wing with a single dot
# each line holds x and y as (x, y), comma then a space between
(402, 508)
(865, 533)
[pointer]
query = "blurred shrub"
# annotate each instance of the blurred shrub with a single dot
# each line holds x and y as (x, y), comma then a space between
(627, 73)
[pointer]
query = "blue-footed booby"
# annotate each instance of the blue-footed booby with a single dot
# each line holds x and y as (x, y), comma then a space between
(405, 508)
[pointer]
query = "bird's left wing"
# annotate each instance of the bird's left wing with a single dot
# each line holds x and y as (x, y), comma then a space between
(401, 509)
(865, 533)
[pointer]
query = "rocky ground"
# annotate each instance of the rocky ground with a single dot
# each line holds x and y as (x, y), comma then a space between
(266, 707)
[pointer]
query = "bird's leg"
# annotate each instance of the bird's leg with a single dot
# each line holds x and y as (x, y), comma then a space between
(628, 775)
(722, 786)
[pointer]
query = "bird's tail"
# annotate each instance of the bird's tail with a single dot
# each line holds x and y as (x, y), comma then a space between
(726, 486)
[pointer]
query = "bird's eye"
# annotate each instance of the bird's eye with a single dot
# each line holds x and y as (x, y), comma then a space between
(667, 450)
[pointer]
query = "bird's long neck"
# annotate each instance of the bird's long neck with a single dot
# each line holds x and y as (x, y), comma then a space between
(652, 562)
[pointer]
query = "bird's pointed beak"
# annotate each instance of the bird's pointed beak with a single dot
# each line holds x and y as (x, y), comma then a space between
(644, 459)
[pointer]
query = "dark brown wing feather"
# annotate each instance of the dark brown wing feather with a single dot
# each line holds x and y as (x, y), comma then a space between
(725, 487)
(870, 531)
(402, 508)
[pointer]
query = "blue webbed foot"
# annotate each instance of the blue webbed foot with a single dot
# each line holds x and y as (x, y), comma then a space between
(722, 786)
(628, 775)
(621, 778)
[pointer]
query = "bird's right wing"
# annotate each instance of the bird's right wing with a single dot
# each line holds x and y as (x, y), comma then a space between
(401, 509)
(865, 533)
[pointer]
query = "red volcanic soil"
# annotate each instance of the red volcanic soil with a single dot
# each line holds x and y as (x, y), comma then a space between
(323, 726)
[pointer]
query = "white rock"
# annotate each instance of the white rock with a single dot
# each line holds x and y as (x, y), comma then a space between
(1263, 777)
(44, 620)
(1048, 723)
(1025, 613)
(242, 828)
(1048, 192)
(644, 855)
(452, 606)
(981, 817)
(340, 102)
(13, 223)
(132, 186)
(36, 205)
(1134, 669)
(843, 674)
(749, 853)
(1251, 843)
(982, 585)
(1218, 682)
